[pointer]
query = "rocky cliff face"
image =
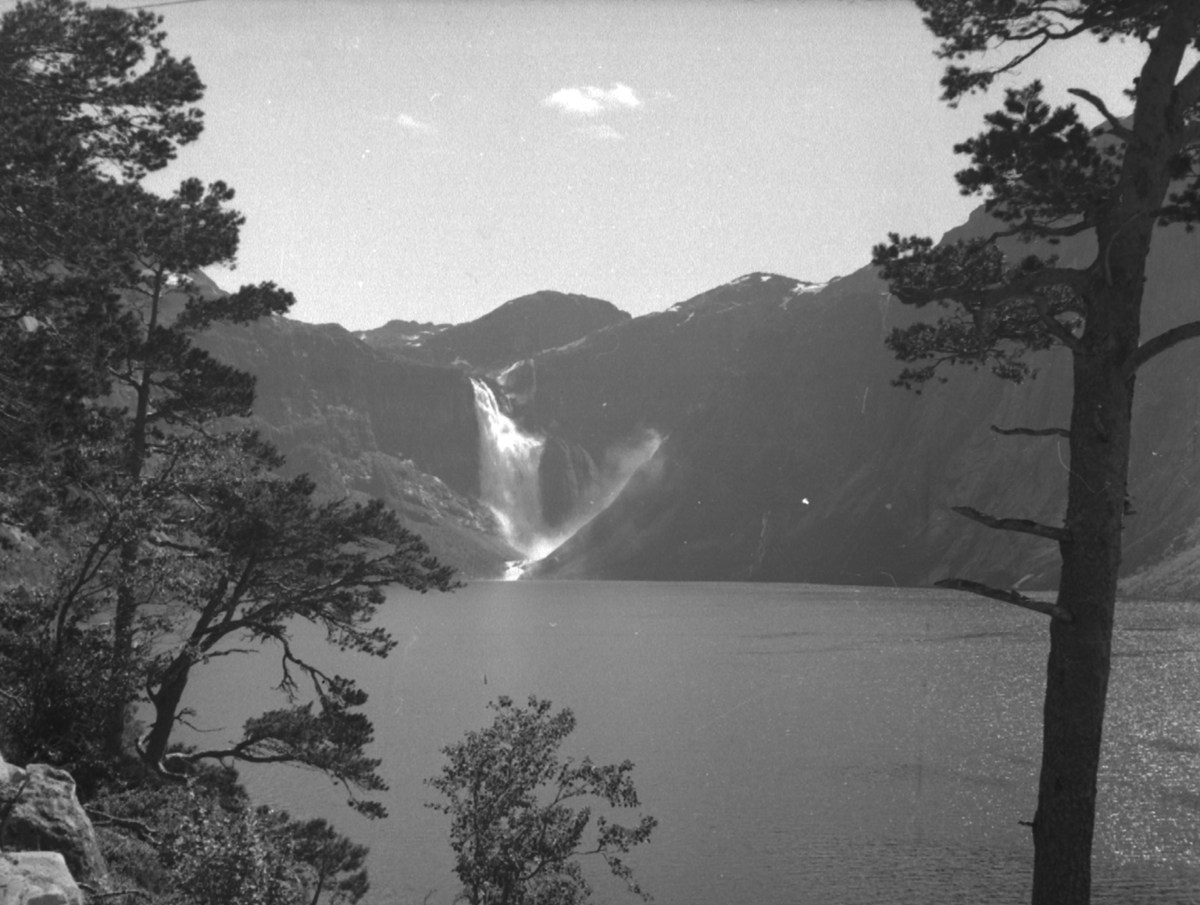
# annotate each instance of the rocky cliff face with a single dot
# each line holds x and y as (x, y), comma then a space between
(391, 413)
(363, 423)
(49, 843)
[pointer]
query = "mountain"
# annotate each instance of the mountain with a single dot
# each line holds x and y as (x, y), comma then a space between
(749, 433)
(790, 457)
(403, 336)
(516, 330)
(364, 424)
(377, 415)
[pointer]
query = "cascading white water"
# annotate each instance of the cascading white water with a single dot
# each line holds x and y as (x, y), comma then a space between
(508, 475)
(509, 460)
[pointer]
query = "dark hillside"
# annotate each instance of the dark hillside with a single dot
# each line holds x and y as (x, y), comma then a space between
(802, 463)
(362, 422)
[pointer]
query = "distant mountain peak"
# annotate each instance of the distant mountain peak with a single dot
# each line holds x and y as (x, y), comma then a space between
(760, 276)
(751, 289)
(516, 330)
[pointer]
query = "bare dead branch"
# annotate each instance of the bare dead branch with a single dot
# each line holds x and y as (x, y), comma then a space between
(94, 895)
(1053, 610)
(1161, 343)
(160, 767)
(139, 829)
(1033, 431)
(228, 651)
(1020, 525)
(241, 751)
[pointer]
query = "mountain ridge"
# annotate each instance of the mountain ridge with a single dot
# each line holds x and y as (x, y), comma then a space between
(788, 455)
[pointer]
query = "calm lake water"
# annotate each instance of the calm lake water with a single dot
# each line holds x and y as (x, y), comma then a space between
(798, 743)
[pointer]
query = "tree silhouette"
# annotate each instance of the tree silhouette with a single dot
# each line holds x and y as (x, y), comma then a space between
(120, 439)
(1044, 177)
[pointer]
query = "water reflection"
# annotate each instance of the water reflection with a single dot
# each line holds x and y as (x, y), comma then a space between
(798, 744)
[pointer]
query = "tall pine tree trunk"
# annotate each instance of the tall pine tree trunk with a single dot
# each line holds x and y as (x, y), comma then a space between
(166, 699)
(1080, 651)
(1077, 672)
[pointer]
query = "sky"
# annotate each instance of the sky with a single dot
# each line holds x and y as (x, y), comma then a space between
(429, 161)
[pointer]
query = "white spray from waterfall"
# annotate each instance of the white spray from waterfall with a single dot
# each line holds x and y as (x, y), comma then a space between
(508, 474)
(509, 460)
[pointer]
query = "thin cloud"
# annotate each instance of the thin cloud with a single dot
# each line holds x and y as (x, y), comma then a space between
(601, 131)
(414, 125)
(591, 101)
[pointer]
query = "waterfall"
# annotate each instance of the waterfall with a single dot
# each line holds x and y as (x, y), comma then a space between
(508, 475)
(509, 484)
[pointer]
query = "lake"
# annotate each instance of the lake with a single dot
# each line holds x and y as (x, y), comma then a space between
(798, 743)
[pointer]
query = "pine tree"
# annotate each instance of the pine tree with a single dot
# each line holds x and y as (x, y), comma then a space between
(1044, 177)
(122, 440)
(90, 101)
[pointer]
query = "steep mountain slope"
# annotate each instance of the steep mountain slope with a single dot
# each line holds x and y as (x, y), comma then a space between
(788, 456)
(391, 413)
(646, 373)
(362, 423)
(799, 462)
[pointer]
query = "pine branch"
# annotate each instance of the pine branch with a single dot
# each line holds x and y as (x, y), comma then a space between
(1020, 525)
(1056, 327)
(1044, 230)
(1033, 431)
(984, 298)
(1119, 129)
(1161, 343)
(1053, 610)
(1043, 38)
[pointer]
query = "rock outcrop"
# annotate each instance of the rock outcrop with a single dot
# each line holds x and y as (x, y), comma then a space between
(42, 814)
(37, 878)
(566, 476)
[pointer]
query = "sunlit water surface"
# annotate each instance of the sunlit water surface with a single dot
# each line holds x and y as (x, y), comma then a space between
(798, 743)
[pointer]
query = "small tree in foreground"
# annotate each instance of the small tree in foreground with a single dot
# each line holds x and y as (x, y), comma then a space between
(1044, 176)
(516, 839)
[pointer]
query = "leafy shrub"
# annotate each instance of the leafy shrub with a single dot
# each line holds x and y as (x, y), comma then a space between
(516, 839)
